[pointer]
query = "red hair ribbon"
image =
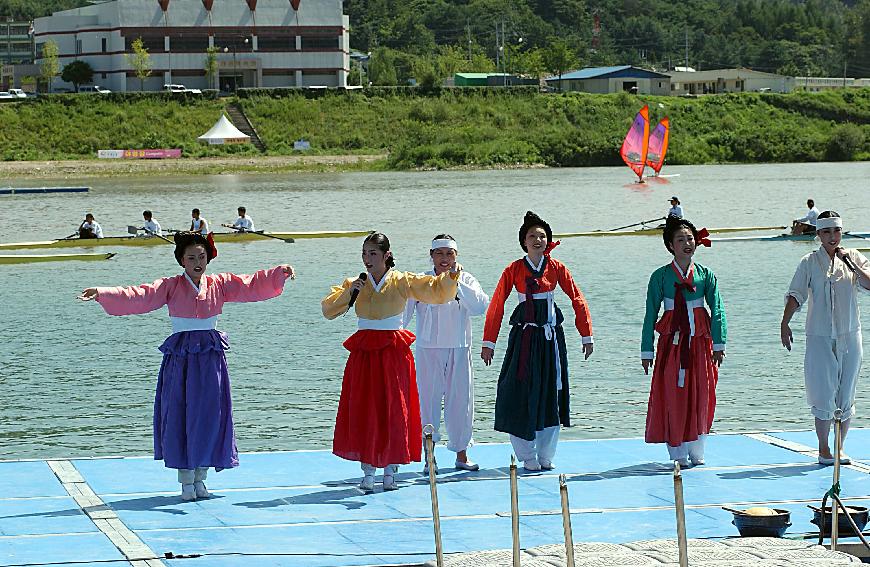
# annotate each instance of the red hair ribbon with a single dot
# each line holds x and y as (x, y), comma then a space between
(210, 238)
(550, 247)
(702, 238)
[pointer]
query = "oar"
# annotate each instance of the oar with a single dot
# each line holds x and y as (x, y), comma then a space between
(631, 225)
(132, 230)
(260, 232)
(76, 233)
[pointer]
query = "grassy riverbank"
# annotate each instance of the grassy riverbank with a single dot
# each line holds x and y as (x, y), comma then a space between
(451, 128)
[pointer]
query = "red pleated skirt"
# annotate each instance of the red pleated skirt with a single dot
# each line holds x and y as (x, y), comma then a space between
(677, 414)
(378, 421)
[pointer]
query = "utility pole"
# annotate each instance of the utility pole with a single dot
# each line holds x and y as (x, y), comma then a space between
(687, 48)
(468, 30)
(496, 47)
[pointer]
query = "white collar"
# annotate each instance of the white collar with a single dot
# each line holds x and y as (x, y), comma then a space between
(190, 281)
(534, 267)
(680, 270)
(377, 286)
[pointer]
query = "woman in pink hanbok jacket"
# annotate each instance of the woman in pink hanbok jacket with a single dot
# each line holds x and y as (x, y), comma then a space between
(193, 416)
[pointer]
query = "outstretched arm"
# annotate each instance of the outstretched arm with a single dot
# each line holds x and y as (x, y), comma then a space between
(259, 286)
(133, 300)
(471, 295)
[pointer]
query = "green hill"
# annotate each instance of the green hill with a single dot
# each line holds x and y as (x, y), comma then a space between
(452, 128)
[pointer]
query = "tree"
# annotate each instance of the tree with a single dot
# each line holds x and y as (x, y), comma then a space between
(50, 63)
(140, 60)
(211, 66)
(77, 72)
(382, 68)
(558, 58)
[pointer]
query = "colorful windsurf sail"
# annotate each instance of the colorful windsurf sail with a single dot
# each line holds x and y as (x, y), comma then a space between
(658, 145)
(636, 143)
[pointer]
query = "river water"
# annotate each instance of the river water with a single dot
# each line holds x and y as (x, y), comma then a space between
(76, 382)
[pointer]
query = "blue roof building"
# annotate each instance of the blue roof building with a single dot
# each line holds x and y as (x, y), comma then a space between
(603, 80)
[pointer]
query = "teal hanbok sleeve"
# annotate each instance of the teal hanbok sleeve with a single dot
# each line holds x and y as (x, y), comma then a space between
(654, 297)
(718, 325)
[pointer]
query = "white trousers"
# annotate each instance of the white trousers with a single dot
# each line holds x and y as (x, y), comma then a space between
(688, 449)
(542, 448)
(831, 368)
(445, 373)
(189, 476)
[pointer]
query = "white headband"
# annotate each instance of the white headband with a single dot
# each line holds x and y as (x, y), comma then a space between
(829, 222)
(444, 243)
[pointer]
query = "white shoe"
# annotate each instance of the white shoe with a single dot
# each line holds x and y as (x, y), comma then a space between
(546, 465)
(188, 492)
(201, 490)
(466, 466)
(532, 465)
(368, 484)
(685, 463)
(696, 461)
(390, 482)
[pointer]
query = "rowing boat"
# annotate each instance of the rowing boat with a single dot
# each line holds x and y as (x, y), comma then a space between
(787, 237)
(154, 241)
(657, 230)
(32, 258)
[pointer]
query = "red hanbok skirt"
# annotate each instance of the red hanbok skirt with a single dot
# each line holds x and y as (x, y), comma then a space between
(678, 414)
(378, 421)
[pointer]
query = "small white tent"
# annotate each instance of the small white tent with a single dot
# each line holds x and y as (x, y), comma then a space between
(223, 132)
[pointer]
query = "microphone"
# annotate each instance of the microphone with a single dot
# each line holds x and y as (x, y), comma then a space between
(849, 263)
(363, 276)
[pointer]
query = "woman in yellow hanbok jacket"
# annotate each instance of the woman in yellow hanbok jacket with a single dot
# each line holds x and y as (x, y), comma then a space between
(378, 421)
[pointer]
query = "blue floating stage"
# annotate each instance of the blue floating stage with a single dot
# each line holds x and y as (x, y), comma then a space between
(302, 508)
(33, 190)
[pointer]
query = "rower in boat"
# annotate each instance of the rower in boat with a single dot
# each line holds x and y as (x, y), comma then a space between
(244, 223)
(676, 210)
(152, 227)
(90, 228)
(198, 224)
(807, 224)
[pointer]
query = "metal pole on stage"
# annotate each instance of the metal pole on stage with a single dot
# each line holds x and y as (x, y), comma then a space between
(835, 508)
(566, 522)
(515, 513)
(680, 506)
(428, 430)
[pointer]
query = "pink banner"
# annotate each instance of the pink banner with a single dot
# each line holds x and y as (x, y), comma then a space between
(151, 154)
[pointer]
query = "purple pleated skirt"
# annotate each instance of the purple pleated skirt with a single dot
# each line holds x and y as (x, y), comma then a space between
(193, 409)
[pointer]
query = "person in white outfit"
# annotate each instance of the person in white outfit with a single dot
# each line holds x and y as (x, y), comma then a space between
(244, 223)
(444, 354)
(198, 224)
(807, 223)
(829, 279)
(151, 227)
(90, 228)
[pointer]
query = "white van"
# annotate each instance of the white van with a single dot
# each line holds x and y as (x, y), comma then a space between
(93, 89)
(18, 93)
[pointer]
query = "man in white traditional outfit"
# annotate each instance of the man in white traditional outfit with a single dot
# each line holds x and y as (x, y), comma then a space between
(830, 279)
(244, 223)
(444, 354)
